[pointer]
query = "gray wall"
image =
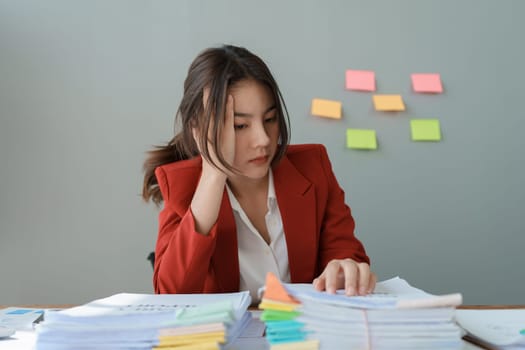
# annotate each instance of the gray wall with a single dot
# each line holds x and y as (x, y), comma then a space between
(86, 87)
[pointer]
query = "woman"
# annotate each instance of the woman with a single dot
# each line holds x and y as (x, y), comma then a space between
(238, 200)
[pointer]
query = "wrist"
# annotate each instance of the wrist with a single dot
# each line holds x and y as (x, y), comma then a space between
(212, 174)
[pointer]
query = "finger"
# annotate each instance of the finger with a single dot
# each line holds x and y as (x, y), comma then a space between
(228, 117)
(319, 283)
(372, 283)
(330, 273)
(228, 138)
(351, 273)
(364, 278)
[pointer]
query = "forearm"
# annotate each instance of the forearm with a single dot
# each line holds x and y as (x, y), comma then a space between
(182, 256)
(207, 199)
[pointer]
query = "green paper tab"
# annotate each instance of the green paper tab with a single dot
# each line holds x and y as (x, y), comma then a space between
(275, 315)
(221, 311)
(425, 130)
(361, 139)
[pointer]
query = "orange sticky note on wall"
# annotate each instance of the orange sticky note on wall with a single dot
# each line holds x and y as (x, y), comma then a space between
(427, 83)
(326, 108)
(388, 103)
(362, 80)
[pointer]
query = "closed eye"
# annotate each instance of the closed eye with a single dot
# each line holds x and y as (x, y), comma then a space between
(240, 126)
(271, 119)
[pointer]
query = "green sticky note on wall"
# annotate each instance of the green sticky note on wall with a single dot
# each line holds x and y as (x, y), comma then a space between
(361, 139)
(425, 130)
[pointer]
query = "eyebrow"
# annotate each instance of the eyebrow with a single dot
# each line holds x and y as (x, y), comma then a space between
(240, 114)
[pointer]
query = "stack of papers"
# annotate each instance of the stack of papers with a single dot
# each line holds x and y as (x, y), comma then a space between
(18, 318)
(144, 321)
(495, 329)
(395, 316)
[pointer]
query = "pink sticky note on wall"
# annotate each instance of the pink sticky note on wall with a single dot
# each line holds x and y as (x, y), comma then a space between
(362, 80)
(427, 83)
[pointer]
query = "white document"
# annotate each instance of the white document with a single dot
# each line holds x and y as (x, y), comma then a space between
(501, 328)
(19, 318)
(394, 293)
(141, 305)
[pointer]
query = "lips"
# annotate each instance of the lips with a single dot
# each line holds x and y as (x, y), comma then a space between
(258, 160)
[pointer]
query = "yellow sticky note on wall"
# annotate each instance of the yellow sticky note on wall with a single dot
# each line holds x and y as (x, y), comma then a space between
(361, 139)
(326, 108)
(388, 103)
(425, 130)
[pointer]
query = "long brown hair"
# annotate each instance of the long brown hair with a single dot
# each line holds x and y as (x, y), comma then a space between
(216, 69)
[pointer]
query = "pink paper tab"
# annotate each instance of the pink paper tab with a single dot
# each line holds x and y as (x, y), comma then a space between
(427, 83)
(362, 80)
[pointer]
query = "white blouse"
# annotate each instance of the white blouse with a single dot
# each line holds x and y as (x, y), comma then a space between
(256, 257)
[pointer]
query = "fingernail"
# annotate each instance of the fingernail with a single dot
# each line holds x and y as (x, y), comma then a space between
(350, 291)
(362, 291)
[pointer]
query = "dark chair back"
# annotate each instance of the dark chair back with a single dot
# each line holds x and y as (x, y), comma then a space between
(151, 258)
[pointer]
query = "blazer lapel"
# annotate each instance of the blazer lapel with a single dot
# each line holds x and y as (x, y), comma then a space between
(297, 204)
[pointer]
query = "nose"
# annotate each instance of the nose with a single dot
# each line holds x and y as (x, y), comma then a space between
(260, 136)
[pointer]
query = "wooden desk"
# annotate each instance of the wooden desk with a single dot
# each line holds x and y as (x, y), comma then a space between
(490, 307)
(486, 307)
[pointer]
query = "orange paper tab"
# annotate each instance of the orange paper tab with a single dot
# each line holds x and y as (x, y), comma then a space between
(274, 290)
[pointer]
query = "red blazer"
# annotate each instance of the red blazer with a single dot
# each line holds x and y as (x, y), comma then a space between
(317, 223)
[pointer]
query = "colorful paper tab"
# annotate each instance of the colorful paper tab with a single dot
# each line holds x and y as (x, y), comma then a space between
(290, 325)
(302, 345)
(388, 103)
(276, 315)
(275, 305)
(275, 291)
(362, 80)
(425, 130)
(326, 108)
(427, 83)
(361, 139)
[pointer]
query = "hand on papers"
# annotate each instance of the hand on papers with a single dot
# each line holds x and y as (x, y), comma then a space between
(356, 278)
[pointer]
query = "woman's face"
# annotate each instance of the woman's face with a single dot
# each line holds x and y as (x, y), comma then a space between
(256, 128)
